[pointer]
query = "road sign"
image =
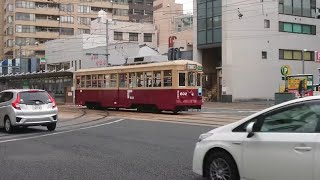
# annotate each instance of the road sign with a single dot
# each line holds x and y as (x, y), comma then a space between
(42, 60)
(285, 70)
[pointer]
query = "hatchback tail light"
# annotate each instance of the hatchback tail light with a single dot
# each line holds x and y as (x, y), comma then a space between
(52, 101)
(15, 103)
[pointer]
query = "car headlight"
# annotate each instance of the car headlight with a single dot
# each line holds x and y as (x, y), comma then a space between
(204, 136)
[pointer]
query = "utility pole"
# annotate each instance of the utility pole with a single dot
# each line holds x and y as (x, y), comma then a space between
(20, 56)
(107, 42)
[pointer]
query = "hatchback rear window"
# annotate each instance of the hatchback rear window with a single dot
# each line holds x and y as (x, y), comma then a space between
(38, 97)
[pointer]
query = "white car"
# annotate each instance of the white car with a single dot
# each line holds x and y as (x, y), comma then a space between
(27, 107)
(279, 143)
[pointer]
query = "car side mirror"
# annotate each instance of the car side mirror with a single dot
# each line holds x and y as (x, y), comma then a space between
(249, 129)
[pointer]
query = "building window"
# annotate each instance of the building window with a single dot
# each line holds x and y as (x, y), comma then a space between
(9, 31)
(10, 19)
(66, 19)
(266, 23)
(147, 37)
(84, 31)
(23, 41)
(84, 9)
(118, 36)
(84, 20)
(9, 42)
(67, 31)
(285, 54)
(133, 36)
(25, 16)
(305, 8)
(138, 11)
(120, 12)
(216, 22)
(209, 21)
(25, 29)
(264, 55)
(66, 7)
(10, 7)
(297, 28)
(25, 4)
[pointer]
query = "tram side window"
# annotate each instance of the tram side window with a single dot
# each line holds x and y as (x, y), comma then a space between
(167, 78)
(182, 79)
(148, 79)
(107, 78)
(123, 80)
(88, 81)
(113, 80)
(199, 79)
(191, 79)
(83, 81)
(94, 81)
(132, 80)
(101, 81)
(157, 79)
(78, 82)
(140, 79)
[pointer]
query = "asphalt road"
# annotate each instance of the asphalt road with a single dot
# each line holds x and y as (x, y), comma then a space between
(124, 150)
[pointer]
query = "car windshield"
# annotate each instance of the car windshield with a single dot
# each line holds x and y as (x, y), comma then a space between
(37, 97)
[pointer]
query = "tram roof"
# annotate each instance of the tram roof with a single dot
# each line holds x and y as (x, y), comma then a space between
(142, 65)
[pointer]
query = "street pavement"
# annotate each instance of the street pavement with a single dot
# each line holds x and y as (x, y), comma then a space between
(92, 144)
(125, 150)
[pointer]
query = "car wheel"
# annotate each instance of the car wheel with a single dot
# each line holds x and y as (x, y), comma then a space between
(51, 127)
(7, 125)
(221, 166)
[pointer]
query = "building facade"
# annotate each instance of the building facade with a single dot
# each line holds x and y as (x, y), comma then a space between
(141, 10)
(243, 44)
(171, 21)
(125, 40)
(28, 24)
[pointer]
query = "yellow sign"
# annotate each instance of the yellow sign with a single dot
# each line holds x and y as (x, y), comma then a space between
(285, 70)
(293, 82)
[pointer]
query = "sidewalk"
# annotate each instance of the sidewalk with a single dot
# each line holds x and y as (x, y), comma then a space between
(239, 105)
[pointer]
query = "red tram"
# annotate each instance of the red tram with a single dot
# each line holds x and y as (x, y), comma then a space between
(165, 86)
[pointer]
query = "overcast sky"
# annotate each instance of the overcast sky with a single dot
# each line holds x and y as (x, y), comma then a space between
(187, 5)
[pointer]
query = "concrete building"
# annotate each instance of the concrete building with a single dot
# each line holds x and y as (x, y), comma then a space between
(28, 24)
(243, 44)
(125, 40)
(141, 10)
(171, 21)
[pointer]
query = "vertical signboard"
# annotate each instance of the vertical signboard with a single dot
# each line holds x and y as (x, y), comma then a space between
(317, 58)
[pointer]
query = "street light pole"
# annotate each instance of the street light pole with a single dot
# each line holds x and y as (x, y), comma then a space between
(305, 50)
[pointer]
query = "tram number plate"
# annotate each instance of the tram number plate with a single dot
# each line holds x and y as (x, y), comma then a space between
(183, 94)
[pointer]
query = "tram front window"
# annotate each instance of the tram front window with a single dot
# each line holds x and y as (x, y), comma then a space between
(191, 79)
(182, 79)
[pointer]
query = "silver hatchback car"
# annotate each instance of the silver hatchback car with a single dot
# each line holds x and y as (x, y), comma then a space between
(27, 107)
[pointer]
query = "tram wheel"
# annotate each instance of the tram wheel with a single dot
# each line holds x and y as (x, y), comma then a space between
(175, 112)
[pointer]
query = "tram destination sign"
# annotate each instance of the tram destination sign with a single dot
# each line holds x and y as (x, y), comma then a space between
(191, 67)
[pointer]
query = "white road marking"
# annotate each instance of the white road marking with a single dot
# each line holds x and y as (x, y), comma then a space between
(62, 132)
